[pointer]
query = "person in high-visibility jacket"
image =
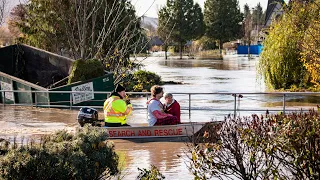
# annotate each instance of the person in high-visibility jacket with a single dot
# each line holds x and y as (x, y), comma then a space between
(116, 109)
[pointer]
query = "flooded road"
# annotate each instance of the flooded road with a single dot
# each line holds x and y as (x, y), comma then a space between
(233, 74)
(28, 121)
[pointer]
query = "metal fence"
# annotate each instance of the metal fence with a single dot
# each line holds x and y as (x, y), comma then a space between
(234, 106)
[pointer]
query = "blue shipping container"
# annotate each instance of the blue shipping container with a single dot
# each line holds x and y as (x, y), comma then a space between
(254, 49)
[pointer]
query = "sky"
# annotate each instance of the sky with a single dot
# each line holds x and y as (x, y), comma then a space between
(151, 7)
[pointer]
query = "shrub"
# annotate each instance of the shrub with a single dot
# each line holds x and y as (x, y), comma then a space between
(84, 155)
(233, 156)
(298, 143)
(81, 72)
(280, 64)
(152, 174)
(270, 147)
(141, 81)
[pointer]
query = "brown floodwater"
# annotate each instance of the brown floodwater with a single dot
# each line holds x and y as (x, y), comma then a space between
(233, 74)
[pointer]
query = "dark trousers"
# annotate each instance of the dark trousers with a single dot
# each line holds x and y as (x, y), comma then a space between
(114, 124)
(170, 120)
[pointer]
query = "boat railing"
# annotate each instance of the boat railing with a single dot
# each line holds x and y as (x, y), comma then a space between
(234, 100)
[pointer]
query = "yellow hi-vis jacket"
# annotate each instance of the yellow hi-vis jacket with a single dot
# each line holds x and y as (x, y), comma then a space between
(116, 110)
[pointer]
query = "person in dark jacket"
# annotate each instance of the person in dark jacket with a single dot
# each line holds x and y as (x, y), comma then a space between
(156, 114)
(171, 106)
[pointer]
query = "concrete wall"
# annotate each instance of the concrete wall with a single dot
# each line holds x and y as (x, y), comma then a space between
(34, 65)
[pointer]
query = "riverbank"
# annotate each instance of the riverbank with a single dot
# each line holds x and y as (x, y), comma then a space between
(202, 55)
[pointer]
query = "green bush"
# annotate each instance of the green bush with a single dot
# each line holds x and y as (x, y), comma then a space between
(142, 81)
(280, 64)
(83, 155)
(81, 72)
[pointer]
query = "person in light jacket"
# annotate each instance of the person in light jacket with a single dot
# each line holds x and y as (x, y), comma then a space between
(156, 114)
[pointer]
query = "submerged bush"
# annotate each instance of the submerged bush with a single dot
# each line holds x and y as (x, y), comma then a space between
(141, 81)
(81, 72)
(84, 155)
(152, 174)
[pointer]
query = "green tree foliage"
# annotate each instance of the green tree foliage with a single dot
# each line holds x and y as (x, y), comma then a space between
(311, 44)
(207, 43)
(246, 10)
(81, 72)
(180, 21)
(39, 24)
(258, 16)
(280, 63)
(142, 81)
(84, 155)
(247, 27)
(165, 27)
(223, 20)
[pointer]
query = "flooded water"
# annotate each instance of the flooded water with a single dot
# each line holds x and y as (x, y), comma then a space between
(233, 74)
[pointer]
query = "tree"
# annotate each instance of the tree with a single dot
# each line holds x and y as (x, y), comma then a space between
(3, 4)
(223, 20)
(311, 44)
(258, 17)
(247, 27)
(280, 63)
(107, 30)
(165, 27)
(17, 14)
(246, 10)
(180, 21)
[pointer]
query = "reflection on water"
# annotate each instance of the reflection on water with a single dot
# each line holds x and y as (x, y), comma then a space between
(170, 158)
(233, 74)
(229, 63)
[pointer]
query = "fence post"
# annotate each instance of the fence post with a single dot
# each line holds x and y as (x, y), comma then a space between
(35, 99)
(284, 104)
(3, 98)
(147, 105)
(70, 100)
(189, 105)
(235, 106)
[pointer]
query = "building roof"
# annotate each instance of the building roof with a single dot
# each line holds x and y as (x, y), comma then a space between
(155, 41)
(272, 4)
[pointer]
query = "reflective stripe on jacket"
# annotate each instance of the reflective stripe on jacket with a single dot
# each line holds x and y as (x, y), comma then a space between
(116, 110)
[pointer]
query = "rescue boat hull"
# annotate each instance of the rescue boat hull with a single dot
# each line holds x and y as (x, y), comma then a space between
(166, 131)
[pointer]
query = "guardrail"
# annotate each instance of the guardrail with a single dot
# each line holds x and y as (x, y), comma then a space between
(236, 96)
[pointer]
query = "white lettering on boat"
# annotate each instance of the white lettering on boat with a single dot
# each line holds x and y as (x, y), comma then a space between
(146, 132)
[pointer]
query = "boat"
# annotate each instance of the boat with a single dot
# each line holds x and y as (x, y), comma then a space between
(140, 131)
(165, 131)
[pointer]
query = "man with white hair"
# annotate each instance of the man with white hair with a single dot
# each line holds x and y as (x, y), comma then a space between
(156, 115)
(171, 106)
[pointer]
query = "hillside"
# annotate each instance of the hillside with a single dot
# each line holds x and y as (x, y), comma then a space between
(149, 23)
